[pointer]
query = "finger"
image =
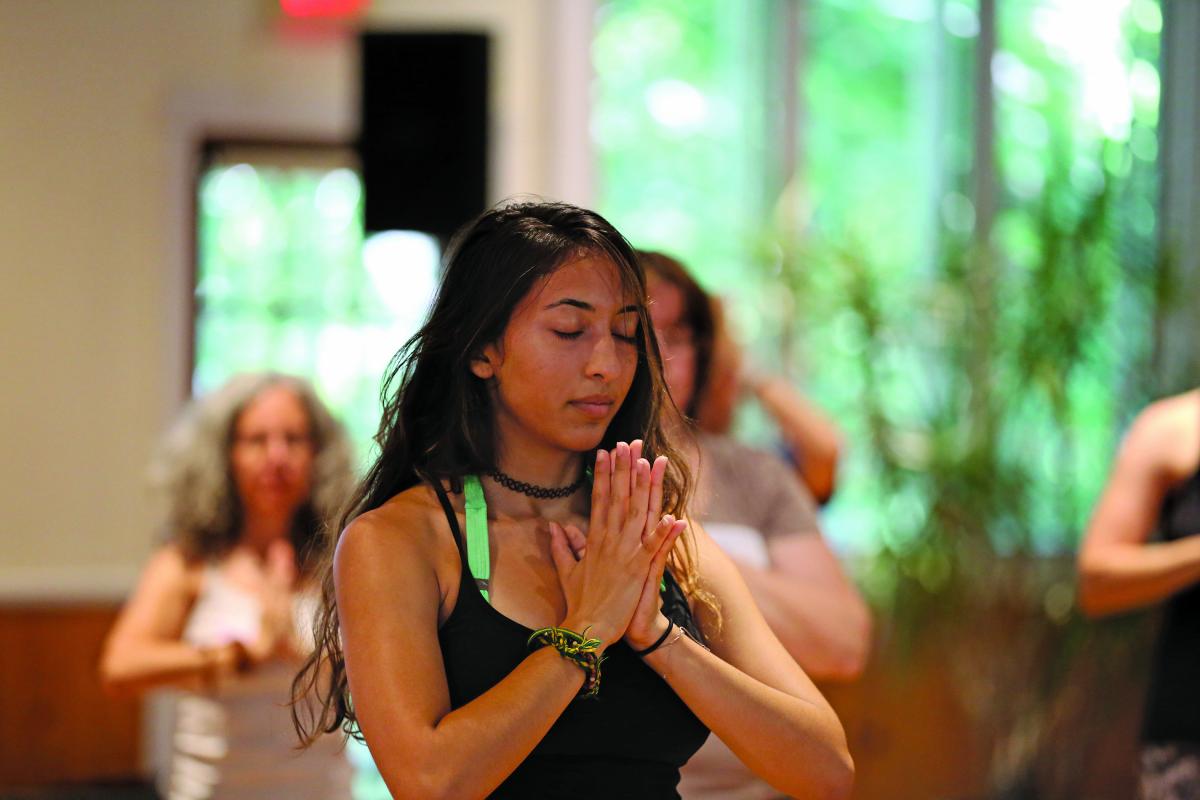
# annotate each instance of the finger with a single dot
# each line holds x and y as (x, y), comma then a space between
(654, 538)
(281, 563)
(576, 540)
(639, 501)
(678, 530)
(619, 502)
(659, 563)
(635, 454)
(560, 552)
(601, 489)
(658, 475)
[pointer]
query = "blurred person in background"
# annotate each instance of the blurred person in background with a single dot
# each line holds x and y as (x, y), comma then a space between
(222, 611)
(756, 510)
(1141, 549)
(810, 437)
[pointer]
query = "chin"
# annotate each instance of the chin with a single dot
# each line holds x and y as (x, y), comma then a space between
(581, 439)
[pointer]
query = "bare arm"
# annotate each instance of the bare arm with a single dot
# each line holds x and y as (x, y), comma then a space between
(814, 610)
(1118, 569)
(753, 695)
(422, 747)
(810, 433)
(144, 649)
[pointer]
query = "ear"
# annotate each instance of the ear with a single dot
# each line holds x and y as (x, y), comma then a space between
(484, 365)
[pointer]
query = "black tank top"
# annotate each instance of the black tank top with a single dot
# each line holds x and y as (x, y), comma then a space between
(1173, 706)
(628, 742)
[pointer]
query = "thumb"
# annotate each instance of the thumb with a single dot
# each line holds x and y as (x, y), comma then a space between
(560, 551)
(577, 540)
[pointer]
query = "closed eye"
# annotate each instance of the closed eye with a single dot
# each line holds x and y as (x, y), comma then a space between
(569, 335)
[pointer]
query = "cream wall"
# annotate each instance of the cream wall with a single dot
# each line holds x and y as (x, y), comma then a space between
(100, 108)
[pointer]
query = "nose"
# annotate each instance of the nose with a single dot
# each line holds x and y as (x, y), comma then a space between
(278, 450)
(603, 361)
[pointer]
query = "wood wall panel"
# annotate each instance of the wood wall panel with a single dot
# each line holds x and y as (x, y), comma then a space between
(56, 723)
(908, 733)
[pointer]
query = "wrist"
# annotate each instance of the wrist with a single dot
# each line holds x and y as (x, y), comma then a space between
(582, 650)
(589, 629)
(767, 388)
(220, 662)
(753, 381)
(646, 639)
(659, 658)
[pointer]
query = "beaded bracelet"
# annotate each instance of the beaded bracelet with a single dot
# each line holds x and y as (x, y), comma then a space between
(577, 648)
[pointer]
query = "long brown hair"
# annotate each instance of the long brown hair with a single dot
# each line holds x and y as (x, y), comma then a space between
(438, 422)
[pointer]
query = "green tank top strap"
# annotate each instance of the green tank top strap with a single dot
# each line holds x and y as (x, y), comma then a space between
(479, 553)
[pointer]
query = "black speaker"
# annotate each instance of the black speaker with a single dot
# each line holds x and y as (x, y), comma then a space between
(423, 140)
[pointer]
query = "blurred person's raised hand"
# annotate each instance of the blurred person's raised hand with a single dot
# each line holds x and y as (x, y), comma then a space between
(276, 628)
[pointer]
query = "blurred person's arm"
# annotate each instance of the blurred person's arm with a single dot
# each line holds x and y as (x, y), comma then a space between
(806, 597)
(812, 607)
(1119, 569)
(145, 648)
(810, 434)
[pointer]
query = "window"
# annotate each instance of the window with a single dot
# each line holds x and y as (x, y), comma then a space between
(285, 279)
(982, 336)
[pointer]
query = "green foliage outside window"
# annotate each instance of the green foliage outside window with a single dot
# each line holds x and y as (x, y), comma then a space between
(286, 282)
(679, 128)
(883, 213)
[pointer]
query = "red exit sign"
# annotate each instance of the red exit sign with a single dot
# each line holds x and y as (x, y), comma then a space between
(322, 9)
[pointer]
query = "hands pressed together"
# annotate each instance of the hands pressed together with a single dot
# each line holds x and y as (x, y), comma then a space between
(276, 632)
(611, 577)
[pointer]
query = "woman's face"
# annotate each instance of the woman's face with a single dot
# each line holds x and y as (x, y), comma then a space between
(566, 359)
(272, 453)
(675, 338)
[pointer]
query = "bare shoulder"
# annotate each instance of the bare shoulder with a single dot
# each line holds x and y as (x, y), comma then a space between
(404, 522)
(170, 567)
(1166, 435)
(405, 533)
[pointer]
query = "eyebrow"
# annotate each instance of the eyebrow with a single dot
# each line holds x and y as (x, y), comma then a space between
(569, 301)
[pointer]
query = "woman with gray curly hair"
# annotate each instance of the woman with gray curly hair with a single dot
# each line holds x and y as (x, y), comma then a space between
(250, 473)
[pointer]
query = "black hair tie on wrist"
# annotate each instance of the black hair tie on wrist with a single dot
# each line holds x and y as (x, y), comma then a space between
(661, 639)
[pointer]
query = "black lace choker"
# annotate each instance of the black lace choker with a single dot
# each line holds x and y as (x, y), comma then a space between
(540, 492)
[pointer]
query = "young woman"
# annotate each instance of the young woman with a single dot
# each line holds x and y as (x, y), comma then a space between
(499, 606)
(249, 472)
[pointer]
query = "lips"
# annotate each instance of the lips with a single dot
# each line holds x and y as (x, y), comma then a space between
(595, 407)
